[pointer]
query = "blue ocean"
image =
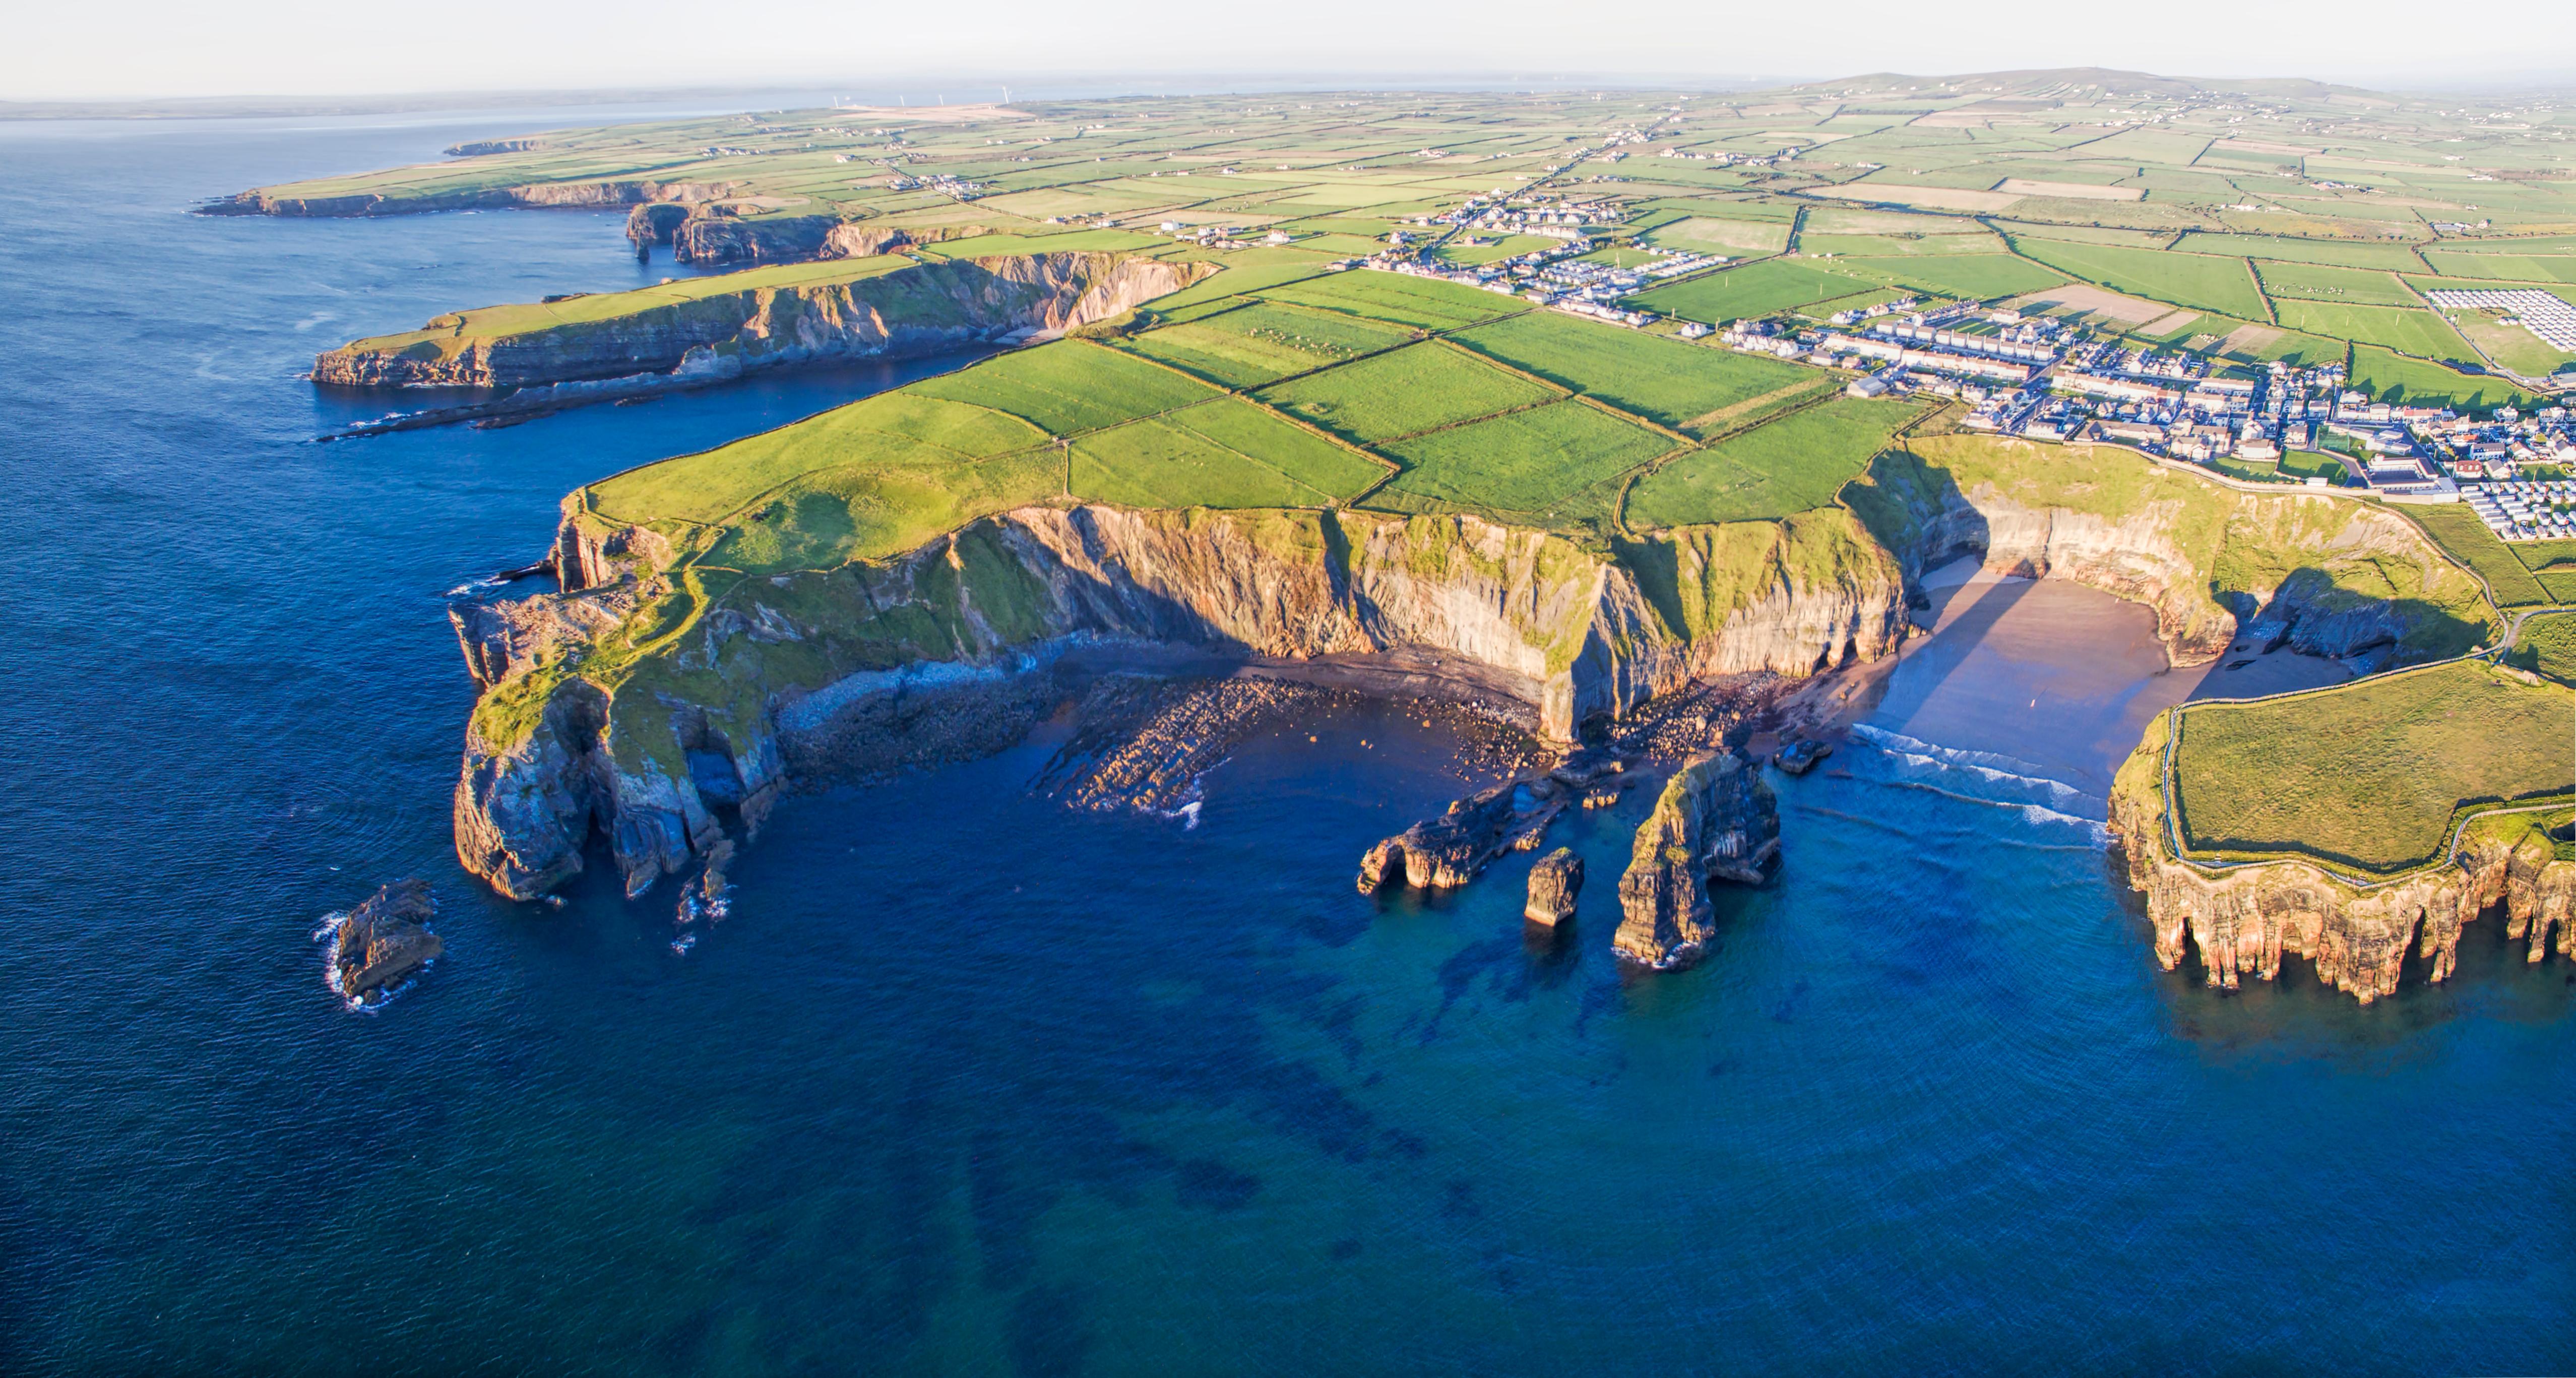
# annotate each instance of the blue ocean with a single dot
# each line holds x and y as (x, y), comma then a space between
(970, 1082)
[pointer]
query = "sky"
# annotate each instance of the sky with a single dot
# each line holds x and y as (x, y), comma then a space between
(113, 49)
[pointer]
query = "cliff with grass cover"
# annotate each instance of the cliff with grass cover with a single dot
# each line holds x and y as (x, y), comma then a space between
(2320, 575)
(760, 318)
(2349, 832)
(854, 594)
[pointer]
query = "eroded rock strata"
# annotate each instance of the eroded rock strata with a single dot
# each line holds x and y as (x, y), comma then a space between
(384, 942)
(1446, 852)
(923, 309)
(1554, 882)
(949, 651)
(2244, 919)
(1716, 820)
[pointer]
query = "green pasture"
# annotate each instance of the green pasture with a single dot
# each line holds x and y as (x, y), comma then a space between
(2216, 284)
(1546, 464)
(2368, 774)
(1655, 377)
(1418, 388)
(1794, 464)
(1264, 342)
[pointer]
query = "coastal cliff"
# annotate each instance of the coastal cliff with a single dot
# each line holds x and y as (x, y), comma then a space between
(945, 652)
(541, 195)
(2242, 920)
(2323, 576)
(650, 693)
(916, 309)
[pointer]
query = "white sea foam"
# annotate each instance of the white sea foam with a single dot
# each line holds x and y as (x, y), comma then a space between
(1985, 765)
(680, 945)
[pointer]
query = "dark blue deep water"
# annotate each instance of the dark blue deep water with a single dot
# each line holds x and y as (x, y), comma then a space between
(970, 1084)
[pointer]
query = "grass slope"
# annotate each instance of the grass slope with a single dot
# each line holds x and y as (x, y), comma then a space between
(2368, 774)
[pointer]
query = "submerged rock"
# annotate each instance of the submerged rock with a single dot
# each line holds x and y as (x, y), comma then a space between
(382, 942)
(1715, 819)
(1553, 884)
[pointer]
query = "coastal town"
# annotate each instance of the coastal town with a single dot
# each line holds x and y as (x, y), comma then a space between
(2022, 371)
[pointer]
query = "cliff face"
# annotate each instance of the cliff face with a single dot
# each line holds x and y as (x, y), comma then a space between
(944, 652)
(584, 195)
(720, 686)
(920, 309)
(2243, 920)
(2326, 577)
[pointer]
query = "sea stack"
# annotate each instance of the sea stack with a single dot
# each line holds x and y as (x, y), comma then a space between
(382, 942)
(1715, 819)
(1553, 884)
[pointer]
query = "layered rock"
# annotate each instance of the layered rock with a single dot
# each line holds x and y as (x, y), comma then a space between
(1553, 884)
(1716, 819)
(1446, 852)
(946, 652)
(922, 309)
(2244, 918)
(2323, 575)
(384, 942)
(543, 195)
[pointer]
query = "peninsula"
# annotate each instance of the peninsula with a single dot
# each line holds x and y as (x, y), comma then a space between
(1583, 412)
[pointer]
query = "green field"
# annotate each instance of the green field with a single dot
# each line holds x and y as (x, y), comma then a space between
(2352, 286)
(2416, 331)
(1418, 388)
(2391, 378)
(900, 431)
(1068, 387)
(1753, 290)
(2216, 284)
(2518, 267)
(1264, 342)
(2394, 258)
(1535, 464)
(1979, 277)
(1795, 464)
(2548, 645)
(1423, 303)
(2368, 774)
(2458, 531)
(1225, 453)
(1734, 238)
(1661, 379)
(1900, 245)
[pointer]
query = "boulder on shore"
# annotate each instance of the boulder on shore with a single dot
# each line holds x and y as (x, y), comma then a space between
(382, 942)
(1715, 820)
(1553, 884)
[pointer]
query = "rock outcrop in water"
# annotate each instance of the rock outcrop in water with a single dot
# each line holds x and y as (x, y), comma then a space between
(1446, 852)
(383, 943)
(1553, 884)
(923, 309)
(2245, 918)
(1716, 819)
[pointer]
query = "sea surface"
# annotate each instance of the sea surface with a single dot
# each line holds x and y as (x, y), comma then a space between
(969, 1083)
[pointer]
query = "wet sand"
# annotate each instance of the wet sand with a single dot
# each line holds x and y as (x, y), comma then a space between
(2057, 676)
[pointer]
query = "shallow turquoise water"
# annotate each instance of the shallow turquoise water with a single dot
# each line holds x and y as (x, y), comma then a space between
(969, 1083)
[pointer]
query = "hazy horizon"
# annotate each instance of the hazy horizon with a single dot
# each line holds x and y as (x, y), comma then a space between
(154, 50)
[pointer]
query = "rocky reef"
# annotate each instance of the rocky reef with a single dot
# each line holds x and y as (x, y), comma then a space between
(919, 309)
(1716, 820)
(2357, 932)
(383, 942)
